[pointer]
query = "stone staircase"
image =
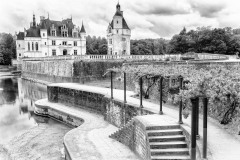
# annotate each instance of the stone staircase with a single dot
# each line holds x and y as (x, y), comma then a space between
(167, 143)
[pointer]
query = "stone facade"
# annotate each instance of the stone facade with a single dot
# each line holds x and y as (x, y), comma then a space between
(118, 34)
(51, 38)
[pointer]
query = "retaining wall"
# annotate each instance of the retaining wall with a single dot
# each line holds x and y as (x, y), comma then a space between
(134, 135)
(113, 110)
(67, 70)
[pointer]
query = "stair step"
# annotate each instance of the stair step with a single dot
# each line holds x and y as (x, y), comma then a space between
(174, 126)
(170, 158)
(166, 138)
(164, 145)
(164, 132)
(170, 151)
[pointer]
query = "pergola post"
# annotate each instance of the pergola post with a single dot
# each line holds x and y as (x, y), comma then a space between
(193, 127)
(180, 104)
(140, 81)
(125, 90)
(197, 121)
(205, 109)
(111, 84)
(161, 94)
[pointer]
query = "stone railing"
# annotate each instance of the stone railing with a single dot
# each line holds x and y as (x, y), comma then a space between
(171, 57)
(104, 57)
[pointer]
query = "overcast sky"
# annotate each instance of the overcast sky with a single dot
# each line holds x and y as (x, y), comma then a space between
(146, 18)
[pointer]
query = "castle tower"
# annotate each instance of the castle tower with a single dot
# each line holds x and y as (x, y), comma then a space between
(83, 39)
(118, 34)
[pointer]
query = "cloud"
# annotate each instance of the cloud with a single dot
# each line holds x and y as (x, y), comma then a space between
(170, 7)
(146, 18)
(208, 8)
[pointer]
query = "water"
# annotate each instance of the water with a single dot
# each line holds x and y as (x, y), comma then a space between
(17, 97)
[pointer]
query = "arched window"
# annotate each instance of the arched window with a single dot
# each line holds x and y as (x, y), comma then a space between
(36, 46)
(32, 46)
(28, 46)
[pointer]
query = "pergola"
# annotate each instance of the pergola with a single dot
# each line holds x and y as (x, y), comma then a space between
(194, 101)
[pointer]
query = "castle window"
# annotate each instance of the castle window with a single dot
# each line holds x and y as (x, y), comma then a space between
(36, 46)
(75, 52)
(53, 42)
(32, 46)
(54, 52)
(19, 45)
(53, 33)
(45, 43)
(123, 39)
(110, 41)
(64, 43)
(110, 30)
(64, 33)
(117, 31)
(117, 22)
(19, 54)
(75, 43)
(28, 46)
(110, 51)
(43, 34)
(75, 34)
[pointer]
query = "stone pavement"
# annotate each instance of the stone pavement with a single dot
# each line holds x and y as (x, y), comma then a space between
(221, 145)
(91, 140)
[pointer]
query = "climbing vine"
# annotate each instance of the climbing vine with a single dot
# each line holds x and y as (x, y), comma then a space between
(221, 85)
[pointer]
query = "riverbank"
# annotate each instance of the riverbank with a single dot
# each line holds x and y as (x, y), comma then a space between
(41, 142)
(23, 135)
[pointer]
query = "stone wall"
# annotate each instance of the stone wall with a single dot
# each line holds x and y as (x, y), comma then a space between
(114, 111)
(67, 70)
(134, 135)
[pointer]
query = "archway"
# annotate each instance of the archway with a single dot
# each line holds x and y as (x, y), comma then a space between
(64, 52)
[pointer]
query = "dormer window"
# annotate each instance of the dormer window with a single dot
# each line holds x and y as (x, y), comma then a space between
(64, 34)
(75, 34)
(109, 30)
(53, 33)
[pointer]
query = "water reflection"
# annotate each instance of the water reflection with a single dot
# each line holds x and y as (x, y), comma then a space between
(17, 97)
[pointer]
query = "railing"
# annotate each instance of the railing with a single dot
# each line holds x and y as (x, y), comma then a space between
(171, 57)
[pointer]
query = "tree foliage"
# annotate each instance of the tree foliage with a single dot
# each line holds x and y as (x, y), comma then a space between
(7, 48)
(205, 39)
(149, 46)
(96, 46)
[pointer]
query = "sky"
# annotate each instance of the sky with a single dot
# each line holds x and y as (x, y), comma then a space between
(146, 18)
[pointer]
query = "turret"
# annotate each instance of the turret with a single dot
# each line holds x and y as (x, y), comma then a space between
(34, 21)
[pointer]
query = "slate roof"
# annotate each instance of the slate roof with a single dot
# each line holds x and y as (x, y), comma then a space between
(124, 24)
(47, 24)
(20, 36)
(82, 29)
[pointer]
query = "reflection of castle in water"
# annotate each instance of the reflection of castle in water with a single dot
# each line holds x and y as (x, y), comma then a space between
(28, 93)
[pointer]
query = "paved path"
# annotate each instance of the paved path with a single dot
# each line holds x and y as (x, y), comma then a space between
(221, 144)
(91, 141)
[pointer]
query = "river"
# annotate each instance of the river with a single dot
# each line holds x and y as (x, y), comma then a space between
(24, 135)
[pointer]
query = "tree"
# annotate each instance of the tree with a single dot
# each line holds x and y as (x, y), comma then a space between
(7, 48)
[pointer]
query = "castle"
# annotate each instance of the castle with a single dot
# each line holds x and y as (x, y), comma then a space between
(118, 34)
(51, 38)
(56, 38)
